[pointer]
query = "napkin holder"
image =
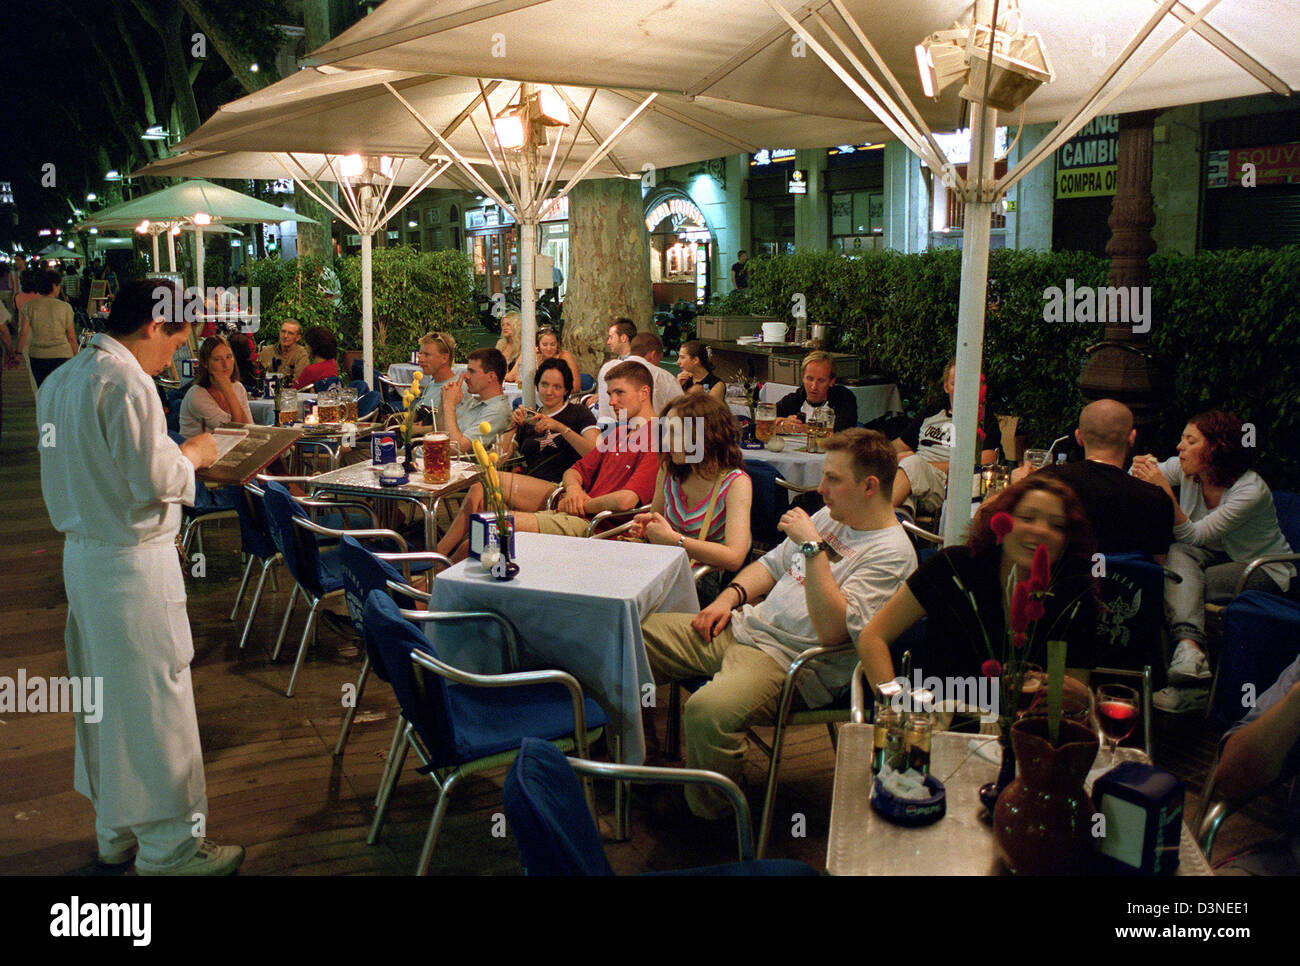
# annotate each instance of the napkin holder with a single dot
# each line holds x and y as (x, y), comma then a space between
(482, 524)
(1143, 809)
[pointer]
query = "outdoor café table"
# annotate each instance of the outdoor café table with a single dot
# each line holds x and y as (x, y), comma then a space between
(576, 605)
(961, 843)
(794, 465)
(362, 479)
(873, 400)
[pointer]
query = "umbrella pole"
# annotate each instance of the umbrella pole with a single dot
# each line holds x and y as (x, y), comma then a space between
(198, 266)
(970, 330)
(153, 238)
(171, 252)
(367, 307)
(528, 211)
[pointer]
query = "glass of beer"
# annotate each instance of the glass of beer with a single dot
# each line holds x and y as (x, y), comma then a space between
(348, 404)
(287, 407)
(437, 458)
(327, 406)
(764, 421)
(917, 739)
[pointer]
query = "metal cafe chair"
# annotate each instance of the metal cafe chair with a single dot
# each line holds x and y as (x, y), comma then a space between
(604, 518)
(554, 829)
(460, 723)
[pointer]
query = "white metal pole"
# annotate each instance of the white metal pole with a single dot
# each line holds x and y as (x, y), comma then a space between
(970, 329)
(528, 212)
(367, 305)
(153, 237)
(198, 265)
(171, 252)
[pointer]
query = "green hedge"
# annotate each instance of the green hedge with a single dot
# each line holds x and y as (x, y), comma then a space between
(414, 292)
(1226, 324)
(299, 288)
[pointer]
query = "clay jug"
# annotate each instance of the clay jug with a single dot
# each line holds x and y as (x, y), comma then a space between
(1043, 820)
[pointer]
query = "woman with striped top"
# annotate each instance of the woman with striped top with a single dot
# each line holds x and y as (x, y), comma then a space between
(703, 495)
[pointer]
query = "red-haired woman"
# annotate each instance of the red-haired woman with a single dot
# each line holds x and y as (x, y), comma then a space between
(1042, 511)
(1223, 518)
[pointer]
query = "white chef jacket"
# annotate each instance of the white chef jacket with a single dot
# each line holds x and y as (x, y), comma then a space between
(111, 474)
(114, 483)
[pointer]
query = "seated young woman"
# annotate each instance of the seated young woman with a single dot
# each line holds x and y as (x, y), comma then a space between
(549, 441)
(1223, 518)
(1043, 511)
(548, 347)
(217, 396)
(695, 375)
(702, 497)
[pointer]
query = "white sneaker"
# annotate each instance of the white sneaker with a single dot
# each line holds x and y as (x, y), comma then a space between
(1189, 665)
(210, 859)
(1181, 700)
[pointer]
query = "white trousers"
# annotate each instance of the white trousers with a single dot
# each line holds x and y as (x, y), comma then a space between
(140, 764)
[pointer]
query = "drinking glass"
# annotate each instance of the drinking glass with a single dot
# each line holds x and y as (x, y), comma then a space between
(437, 458)
(820, 421)
(917, 739)
(287, 407)
(327, 406)
(764, 421)
(1037, 458)
(1117, 714)
(348, 405)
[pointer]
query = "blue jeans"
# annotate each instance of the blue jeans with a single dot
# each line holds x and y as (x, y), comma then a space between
(1207, 577)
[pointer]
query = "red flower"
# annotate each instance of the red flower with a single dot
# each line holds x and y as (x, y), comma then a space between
(1019, 640)
(1002, 524)
(1035, 608)
(1020, 605)
(991, 668)
(1040, 575)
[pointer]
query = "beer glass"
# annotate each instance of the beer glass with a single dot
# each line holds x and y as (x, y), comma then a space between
(764, 421)
(327, 406)
(287, 407)
(437, 458)
(820, 421)
(348, 405)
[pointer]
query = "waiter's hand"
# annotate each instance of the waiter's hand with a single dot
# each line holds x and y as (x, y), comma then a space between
(201, 450)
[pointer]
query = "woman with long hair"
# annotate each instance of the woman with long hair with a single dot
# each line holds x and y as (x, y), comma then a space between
(509, 345)
(324, 350)
(46, 327)
(961, 590)
(703, 495)
(217, 396)
(695, 375)
(548, 347)
(1223, 518)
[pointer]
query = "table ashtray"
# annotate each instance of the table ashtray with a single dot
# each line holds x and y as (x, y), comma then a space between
(907, 811)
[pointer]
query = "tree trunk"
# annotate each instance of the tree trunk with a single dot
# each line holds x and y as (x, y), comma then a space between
(609, 266)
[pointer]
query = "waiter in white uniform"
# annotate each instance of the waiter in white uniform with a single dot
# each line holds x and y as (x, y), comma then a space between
(114, 483)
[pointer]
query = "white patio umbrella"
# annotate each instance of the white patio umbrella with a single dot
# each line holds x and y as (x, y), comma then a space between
(859, 58)
(306, 122)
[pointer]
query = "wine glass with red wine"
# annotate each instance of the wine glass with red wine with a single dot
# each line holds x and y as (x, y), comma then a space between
(1117, 713)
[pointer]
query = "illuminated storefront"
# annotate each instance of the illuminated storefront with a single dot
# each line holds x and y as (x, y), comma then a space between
(681, 248)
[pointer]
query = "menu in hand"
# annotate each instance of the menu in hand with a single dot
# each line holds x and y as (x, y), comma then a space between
(249, 455)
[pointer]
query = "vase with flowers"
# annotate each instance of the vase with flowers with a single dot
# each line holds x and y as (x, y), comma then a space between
(406, 427)
(495, 559)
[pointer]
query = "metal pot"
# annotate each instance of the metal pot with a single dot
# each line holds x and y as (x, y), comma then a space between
(821, 334)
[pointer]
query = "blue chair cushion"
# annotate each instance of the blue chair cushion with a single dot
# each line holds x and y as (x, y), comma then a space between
(1261, 638)
(1287, 506)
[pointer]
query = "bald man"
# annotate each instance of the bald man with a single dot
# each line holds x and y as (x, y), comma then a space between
(1128, 515)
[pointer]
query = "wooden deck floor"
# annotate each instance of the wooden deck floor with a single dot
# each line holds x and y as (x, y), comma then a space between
(273, 784)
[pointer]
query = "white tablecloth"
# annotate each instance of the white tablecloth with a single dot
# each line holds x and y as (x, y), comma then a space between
(577, 605)
(873, 401)
(401, 373)
(794, 465)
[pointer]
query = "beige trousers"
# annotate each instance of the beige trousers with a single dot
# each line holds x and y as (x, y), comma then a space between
(745, 690)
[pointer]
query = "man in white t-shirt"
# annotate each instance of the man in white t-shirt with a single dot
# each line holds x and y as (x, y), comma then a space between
(818, 588)
(619, 342)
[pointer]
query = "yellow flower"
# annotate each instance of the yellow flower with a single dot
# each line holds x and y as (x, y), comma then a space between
(415, 378)
(495, 458)
(485, 428)
(492, 475)
(408, 397)
(480, 453)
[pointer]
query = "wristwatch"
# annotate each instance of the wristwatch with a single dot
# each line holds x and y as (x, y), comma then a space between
(811, 548)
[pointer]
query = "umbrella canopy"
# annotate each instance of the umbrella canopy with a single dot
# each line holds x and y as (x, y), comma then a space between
(183, 201)
(859, 58)
(743, 50)
(56, 251)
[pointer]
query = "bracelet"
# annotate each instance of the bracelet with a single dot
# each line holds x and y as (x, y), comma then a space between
(740, 592)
